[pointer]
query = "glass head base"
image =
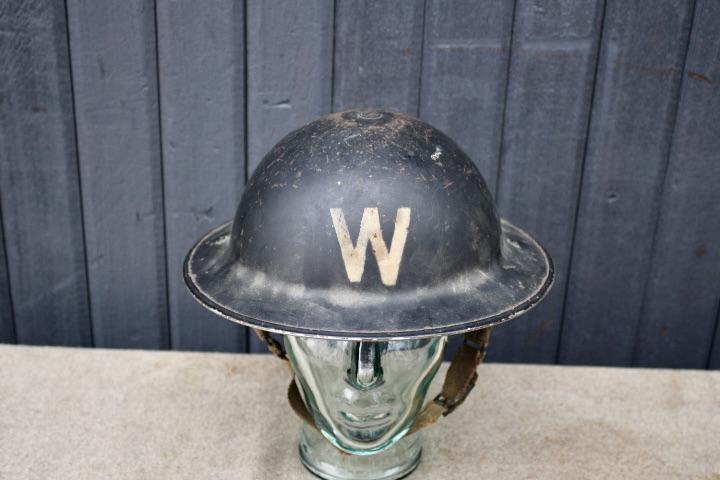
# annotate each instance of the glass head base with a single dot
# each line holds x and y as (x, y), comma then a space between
(326, 461)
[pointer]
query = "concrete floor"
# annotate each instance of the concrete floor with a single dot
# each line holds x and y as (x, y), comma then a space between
(82, 413)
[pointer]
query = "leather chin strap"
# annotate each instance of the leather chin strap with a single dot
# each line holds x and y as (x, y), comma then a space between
(459, 380)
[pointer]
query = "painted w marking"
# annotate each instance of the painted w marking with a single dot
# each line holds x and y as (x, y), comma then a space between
(354, 255)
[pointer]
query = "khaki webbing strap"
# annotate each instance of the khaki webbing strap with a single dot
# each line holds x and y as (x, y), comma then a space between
(298, 405)
(273, 345)
(293, 392)
(459, 380)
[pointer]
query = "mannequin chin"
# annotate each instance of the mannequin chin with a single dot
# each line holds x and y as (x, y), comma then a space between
(364, 396)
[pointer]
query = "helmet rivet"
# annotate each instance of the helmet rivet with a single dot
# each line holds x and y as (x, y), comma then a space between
(369, 115)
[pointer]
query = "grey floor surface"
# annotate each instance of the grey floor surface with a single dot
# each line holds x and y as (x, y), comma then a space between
(82, 413)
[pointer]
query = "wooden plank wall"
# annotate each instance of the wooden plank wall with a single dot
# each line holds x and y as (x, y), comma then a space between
(201, 79)
(552, 75)
(684, 278)
(42, 209)
(285, 92)
(114, 73)
(128, 129)
(642, 52)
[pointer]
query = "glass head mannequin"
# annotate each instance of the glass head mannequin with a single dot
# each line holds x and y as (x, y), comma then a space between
(364, 397)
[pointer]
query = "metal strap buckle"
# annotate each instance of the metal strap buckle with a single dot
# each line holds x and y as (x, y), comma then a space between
(450, 405)
(480, 347)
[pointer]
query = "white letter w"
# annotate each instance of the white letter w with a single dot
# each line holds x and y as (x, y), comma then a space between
(354, 255)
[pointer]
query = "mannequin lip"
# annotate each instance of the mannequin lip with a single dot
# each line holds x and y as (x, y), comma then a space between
(366, 434)
(369, 424)
(367, 421)
(376, 413)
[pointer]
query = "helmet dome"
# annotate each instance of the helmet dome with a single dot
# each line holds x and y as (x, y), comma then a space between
(367, 224)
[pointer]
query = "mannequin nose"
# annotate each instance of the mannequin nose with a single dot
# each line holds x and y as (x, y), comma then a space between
(366, 369)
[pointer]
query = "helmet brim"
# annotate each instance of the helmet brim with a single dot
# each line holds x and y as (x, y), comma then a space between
(476, 299)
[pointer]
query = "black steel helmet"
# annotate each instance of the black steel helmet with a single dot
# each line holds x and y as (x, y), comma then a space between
(367, 225)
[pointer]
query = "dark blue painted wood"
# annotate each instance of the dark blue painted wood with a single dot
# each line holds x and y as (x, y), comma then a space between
(714, 360)
(464, 76)
(176, 100)
(378, 54)
(289, 58)
(38, 177)
(683, 290)
(115, 85)
(289, 69)
(634, 107)
(7, 325)
(202, 82)
(552, 74)
(466, 52)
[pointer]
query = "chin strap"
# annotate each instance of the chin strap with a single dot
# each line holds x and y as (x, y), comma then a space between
(293, 393)
(459, 380)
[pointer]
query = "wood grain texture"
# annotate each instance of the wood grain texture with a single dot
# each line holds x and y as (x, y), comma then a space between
(552, 72)
(683, 289)
(466, 54)
(464, 76)
(641, 62)
(202, 80)
(39, 178)
(115, 85)
(378, 54)
(7, 324)
(714, 360)
(290, 56)
(128, 134)
(289, 49)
